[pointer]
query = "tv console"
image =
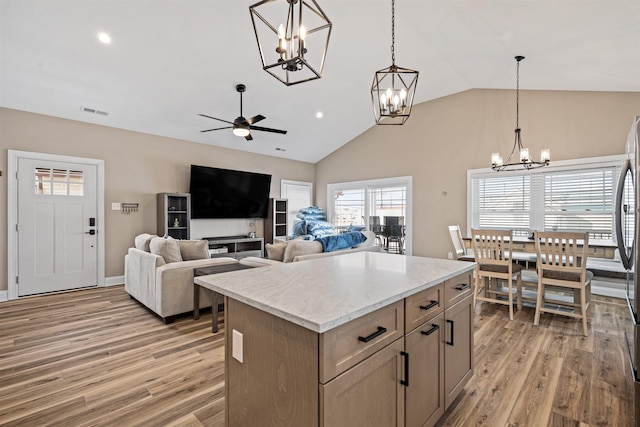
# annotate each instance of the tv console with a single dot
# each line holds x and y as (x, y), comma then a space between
(237, 247)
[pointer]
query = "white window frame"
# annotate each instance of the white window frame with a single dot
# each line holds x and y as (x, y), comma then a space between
(555, 166)
(401, 181)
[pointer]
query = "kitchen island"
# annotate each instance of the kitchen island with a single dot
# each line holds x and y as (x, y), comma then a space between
(357, 339)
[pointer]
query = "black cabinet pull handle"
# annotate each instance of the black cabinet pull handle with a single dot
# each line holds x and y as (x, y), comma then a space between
(450, 342)
(430, 331)
(430, 305)
(405, 382)
(462, 287)
(377, 333)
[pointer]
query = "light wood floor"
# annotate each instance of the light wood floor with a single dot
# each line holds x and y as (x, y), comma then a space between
(96, 357)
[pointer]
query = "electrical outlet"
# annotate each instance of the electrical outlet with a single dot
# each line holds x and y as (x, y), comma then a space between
(450, 255)
(237, 346)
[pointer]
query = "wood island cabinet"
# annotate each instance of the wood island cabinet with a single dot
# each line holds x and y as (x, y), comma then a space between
(401, 365)
(458, 348)
(369, 394)
(425, 392)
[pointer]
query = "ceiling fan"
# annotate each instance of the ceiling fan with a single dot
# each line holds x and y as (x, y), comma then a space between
(242, 126)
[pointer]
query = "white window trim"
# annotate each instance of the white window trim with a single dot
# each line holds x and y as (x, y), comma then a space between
(560, 165)
(406, 181)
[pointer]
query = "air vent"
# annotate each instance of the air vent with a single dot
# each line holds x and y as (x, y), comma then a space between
(280, 149)
(94, 111)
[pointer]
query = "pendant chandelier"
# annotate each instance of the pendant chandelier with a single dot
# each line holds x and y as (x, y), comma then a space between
(393, 88)
(525, 159)
(292, 36)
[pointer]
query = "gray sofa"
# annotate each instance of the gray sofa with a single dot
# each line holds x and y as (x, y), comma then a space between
(158, 272)
(161, 278)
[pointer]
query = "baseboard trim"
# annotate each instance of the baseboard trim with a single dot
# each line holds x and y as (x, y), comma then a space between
(114, 280)
(4, 296)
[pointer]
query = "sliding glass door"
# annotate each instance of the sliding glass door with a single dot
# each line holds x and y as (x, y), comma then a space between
(382, 206)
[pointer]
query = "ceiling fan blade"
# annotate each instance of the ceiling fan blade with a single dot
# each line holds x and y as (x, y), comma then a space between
(248, 137)
(255, 119)
(209, 130)
(215, 118)
(267, 129)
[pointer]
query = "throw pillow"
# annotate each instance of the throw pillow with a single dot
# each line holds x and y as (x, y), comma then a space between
(168, 248)
(142, 241)
(194, 249)
(301, 247)
(275, 250)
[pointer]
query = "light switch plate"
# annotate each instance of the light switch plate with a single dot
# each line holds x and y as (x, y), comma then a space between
(236, 346)
(116, 206)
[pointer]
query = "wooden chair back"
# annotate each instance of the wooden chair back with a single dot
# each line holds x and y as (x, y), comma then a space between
(492, 247)
(562, 257)
(456, 239)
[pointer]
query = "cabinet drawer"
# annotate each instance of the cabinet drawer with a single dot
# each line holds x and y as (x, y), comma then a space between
(457, 288)
(345, 346)
(423, 306)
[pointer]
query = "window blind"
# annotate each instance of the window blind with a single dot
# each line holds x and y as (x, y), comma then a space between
(580, 201)
(502, 202)
(571, 199)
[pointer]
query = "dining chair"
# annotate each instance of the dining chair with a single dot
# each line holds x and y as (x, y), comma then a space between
(562, 265)
(461, 251)
(493, 265)
(395, 239)
(376, 227)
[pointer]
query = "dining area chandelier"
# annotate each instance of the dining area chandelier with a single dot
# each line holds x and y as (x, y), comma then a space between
(524, 160)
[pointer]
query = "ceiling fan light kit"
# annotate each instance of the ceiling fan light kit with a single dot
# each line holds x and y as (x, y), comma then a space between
(393, 88)
(525, 161)
(293, 37)
(241, 126)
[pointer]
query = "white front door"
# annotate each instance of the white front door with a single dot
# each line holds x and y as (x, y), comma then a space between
(57, 226)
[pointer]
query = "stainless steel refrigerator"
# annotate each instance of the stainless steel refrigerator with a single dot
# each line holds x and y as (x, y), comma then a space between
(627, 233)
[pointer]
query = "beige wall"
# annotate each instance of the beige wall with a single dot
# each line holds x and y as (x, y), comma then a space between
(137, 166)
(438, 144)
(446, 137)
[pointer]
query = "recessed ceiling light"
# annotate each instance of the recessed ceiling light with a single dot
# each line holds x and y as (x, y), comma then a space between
(319, 114)
(104, 38)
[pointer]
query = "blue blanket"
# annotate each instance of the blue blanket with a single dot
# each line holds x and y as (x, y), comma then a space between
(341, 241)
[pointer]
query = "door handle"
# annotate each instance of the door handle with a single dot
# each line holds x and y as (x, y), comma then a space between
(429, 306)
(450, 342)
(92, 232)
(405, 382)
(430, 331)
(381, 330)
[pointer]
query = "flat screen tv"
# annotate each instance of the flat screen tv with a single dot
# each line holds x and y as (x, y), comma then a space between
(225, 193)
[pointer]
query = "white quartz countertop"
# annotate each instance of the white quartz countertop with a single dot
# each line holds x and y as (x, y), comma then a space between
(323, 293)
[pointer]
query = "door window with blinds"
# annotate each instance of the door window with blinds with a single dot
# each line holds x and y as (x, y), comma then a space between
(576, 196)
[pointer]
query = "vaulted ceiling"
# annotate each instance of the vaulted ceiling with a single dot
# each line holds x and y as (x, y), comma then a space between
(170, 60)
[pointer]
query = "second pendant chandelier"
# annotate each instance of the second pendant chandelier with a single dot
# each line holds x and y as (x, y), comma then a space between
(393, 88)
